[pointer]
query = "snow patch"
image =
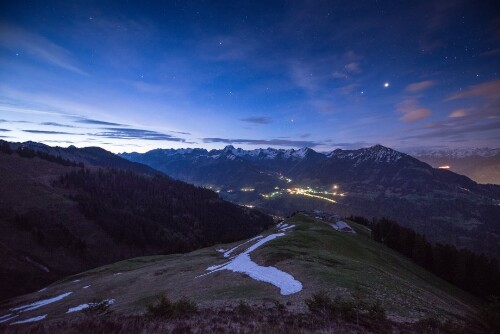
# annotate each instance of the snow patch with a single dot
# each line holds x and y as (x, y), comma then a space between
(228, 253)
(242, 263)
(7, 317)
(38, 304)
(87, 305)
(41, 317)
(86, 286)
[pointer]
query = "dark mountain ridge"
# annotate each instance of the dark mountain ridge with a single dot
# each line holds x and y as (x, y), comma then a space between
(375, 182)
(58, 219)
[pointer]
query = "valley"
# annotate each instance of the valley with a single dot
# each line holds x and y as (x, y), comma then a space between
(373, 182)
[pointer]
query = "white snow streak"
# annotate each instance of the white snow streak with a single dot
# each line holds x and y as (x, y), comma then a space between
(7, 317)
(228, 253)
(41, 317)
(87, 305)
(86, 286)
(242, 263)
(78, 308)
(38, 304)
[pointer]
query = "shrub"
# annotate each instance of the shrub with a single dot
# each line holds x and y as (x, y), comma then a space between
(351, 310)
(376, 312)
(165, 308)
(321, 304)
(491, 314)
(243, 308)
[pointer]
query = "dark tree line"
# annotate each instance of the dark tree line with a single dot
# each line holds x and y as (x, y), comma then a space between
(474, 273)
(25, 152)
(159, 213)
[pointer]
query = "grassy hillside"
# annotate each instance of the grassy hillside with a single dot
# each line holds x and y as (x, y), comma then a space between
(315, 254)
(58, 220)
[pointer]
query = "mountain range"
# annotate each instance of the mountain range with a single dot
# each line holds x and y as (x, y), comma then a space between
(373, 182)
(480, 164)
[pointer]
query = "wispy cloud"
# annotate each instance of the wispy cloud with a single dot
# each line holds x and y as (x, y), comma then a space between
(126, 133)
(411, 111)
(51, 132)
(4, 130)
(458, 113)
(458, 131)
(57, 124)
(257, 120)
(94, 121)
(488, 90)
(37, 46)
(419, 86)
(270, 142)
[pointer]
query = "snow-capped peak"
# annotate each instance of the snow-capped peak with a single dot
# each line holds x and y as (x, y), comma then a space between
(457, 153)
(377, 153)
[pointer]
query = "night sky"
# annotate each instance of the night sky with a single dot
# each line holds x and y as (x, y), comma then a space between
(138, 75)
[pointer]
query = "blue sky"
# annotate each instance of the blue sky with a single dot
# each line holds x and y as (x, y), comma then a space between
(133, 76)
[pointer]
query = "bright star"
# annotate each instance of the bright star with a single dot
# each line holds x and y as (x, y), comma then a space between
(386, 85)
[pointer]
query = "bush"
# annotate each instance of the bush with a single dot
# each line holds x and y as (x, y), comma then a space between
(165, 308)
(351, 310)
(243, 308)
(491, 314)
(376, 312)
(321, 304)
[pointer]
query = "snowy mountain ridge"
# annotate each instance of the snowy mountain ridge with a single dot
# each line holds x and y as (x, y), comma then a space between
(457, 152)
(377, 153)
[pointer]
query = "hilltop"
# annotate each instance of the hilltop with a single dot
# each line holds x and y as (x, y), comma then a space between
(310, 251)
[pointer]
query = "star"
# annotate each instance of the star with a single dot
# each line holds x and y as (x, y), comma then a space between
(386, 85)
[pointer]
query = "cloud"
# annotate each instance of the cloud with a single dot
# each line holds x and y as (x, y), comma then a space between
(57, 124)
(488, 90)
(353, 67)
(180, 132)
(4, 130)
(37, 46)
(50, 132)
(94, 121)
(257, 120)
(419, 86)
(458, 131)
(411, 111)
(270, 142)
(458, 113)
(126, 133)
(305, 135)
